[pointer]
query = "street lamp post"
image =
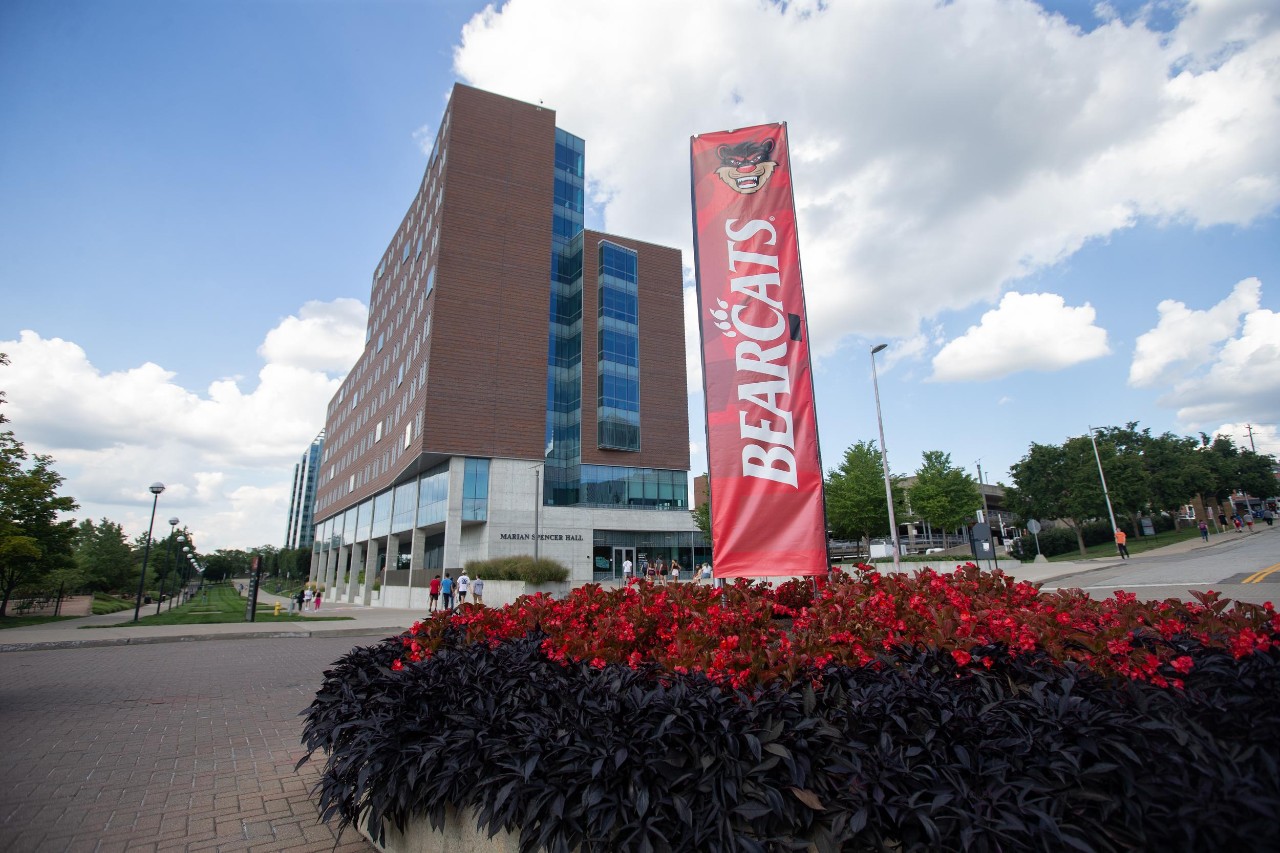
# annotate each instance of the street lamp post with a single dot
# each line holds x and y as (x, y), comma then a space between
(182, 543)
(537, 505)
(884, 460)
(1103, 477)
(156, 489)
(168, 562)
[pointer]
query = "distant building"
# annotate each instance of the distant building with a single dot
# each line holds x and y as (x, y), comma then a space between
(522, 388)
(302, 500)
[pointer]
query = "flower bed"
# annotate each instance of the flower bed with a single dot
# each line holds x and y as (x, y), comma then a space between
(962, 711)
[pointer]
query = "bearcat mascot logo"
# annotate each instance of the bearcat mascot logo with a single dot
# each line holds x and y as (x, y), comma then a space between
(746, 167)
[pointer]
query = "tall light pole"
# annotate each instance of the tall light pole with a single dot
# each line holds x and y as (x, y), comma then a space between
(182, 543)
(168, 561)
(884, 459)
(1103, 478)
(156, 489)
(537, 504)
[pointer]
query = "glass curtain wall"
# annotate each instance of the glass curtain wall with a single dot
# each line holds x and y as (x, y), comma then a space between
(618, 362)
(563, 436)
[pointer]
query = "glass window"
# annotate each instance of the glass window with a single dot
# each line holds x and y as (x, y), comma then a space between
(405, 507)
(475, 490)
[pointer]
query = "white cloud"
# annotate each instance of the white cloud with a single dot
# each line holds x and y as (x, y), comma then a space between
(941, 150)
(1184, 338)
(1027, 331)
(226, 456)
(322, 336)
(1266, 437)
(1241, 382)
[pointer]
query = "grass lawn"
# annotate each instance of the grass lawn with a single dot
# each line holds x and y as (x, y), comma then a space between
(217, 604)
(1137, 544)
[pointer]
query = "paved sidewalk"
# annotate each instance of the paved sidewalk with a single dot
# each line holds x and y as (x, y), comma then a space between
(183, 747)
(71, 633)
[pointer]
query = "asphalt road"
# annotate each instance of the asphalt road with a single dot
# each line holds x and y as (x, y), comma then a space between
(1224, 568)
(173, 746)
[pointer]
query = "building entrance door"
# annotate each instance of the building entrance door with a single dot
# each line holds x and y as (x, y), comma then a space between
(621, 555)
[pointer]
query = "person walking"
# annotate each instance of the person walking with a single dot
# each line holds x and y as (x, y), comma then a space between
(446, 592)
(306, 600)
(464, 586)
(1121, 539)
(319, 596)
(1204, 531)
(675, 571)
(477, 591)
(626, 570)
(434, 604)
(299, 599)
(1235, 519)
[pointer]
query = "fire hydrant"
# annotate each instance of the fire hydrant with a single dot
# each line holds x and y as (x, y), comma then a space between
(277, 613)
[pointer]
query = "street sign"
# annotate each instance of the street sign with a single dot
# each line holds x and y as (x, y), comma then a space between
(1033, 526)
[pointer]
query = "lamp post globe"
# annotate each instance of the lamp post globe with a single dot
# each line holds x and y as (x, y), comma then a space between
(884, 459)
(155, 489)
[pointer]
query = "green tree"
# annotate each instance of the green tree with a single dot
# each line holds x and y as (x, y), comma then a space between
(1177, 471)
(1121, 451)
(102, 551)
(856, 506)
(702, 517)
(33, 541)
(1235, 470)
(1058, 482)
(943, 495)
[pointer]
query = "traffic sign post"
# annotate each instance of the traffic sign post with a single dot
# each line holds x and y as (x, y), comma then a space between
(1034, 527)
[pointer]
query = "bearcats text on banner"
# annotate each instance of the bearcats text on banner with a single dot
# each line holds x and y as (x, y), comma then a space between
(767, 514)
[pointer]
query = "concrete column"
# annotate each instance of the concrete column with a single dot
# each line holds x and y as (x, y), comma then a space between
(316, 560)
(340, 585)
(392, 544)
(352, 582)
(370, 570)
(418, 550)
(355, 588)
(330, 572)
(453, 516)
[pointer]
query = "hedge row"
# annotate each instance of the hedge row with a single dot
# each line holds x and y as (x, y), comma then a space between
(914, 751)
(519, 568)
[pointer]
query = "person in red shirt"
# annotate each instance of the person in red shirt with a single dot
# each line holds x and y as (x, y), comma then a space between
(435, 595)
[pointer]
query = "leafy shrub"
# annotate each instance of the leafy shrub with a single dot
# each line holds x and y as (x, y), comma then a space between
(919, 750)
(519, 568)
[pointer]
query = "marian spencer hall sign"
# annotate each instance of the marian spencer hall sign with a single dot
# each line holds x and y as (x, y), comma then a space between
(767, 513)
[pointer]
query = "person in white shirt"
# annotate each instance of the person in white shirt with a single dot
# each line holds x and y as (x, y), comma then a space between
(464, 584)
(626, 570)
(477, 590)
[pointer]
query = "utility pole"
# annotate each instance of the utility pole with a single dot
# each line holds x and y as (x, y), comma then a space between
(1249, 429)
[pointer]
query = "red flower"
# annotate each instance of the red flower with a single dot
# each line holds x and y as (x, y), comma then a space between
(1183, 664)
(397, 665)
(962, 657)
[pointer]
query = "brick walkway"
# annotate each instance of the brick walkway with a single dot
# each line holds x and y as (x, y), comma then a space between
(179, 746)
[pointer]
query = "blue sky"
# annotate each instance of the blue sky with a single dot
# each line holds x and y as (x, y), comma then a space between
(1056, 217)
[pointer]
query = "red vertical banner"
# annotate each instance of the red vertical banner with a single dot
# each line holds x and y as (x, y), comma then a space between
(767, 515)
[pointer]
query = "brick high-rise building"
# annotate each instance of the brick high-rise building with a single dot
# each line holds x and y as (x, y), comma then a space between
(522, 386)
